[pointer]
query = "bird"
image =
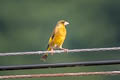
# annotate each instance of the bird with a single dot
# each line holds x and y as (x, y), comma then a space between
(57, 38)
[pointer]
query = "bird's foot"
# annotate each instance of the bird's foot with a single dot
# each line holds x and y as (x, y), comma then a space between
(65, 50)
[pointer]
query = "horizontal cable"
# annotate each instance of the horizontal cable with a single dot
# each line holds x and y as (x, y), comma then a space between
(59, 65)
(60, 51)
(60, 74)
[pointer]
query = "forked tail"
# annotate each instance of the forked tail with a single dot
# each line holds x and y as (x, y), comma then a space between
(44, 57)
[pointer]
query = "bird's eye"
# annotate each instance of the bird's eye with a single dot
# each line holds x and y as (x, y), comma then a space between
(62, 22)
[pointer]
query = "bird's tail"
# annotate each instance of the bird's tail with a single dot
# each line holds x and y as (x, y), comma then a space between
(44, 57)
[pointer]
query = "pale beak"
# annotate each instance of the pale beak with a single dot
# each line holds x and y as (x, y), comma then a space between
(66, 23)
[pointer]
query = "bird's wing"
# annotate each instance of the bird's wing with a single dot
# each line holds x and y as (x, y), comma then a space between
(51, 38)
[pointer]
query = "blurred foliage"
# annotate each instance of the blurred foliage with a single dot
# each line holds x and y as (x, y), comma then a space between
(25, 25)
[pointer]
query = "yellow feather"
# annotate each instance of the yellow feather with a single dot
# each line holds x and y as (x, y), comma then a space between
(57, 38)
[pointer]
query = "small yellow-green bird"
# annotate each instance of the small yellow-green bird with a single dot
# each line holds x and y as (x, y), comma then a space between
(57, 38)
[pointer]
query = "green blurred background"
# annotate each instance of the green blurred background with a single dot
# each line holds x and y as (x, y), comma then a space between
(25, 25)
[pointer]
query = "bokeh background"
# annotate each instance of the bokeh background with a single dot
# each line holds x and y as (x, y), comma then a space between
(25, 25)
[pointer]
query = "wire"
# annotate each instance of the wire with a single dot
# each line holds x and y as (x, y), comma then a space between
(60, 51)
(59, 65)
(60, 74)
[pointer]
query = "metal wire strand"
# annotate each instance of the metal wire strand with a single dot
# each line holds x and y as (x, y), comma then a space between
(60, 51)
(60, 74)
(59, 65)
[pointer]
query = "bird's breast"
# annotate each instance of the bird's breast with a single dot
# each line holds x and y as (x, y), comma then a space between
(60, 35)
(61, 32)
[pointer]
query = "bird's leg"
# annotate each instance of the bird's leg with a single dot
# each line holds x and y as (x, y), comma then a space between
(52, 51)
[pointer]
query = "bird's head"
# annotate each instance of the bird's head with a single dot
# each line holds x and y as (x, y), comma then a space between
(63, 22)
